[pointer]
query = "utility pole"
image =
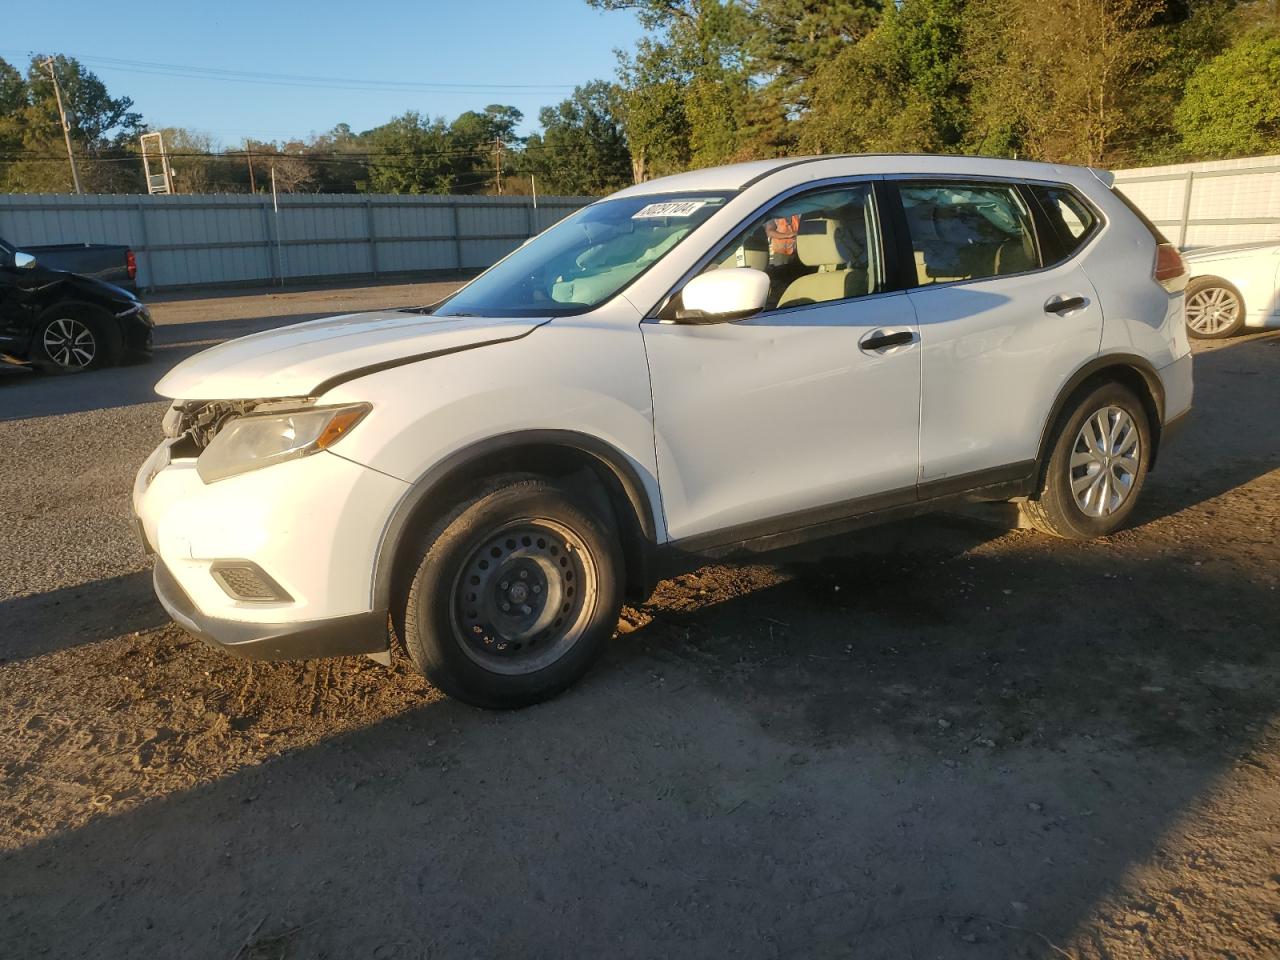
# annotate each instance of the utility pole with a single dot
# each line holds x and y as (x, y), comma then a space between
(248, 154)
(66, 127)
(497, 146)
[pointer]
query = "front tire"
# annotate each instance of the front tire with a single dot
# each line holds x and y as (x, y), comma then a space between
(1100, 454)
(72, 339)
(515, 593)
(1215, 309)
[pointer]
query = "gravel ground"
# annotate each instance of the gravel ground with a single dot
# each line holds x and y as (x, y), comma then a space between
(942, 739)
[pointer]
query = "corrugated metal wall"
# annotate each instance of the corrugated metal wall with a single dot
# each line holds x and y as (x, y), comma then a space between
(211, 240)
(1209, 204)
(227, 239)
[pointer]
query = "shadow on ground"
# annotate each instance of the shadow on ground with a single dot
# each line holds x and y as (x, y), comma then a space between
(907, 750)
(45, 622)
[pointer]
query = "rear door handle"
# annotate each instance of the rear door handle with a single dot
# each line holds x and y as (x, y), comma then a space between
(1061, 305)
(882, 340)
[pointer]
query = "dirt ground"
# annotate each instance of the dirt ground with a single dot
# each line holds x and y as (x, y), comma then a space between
(936, 739)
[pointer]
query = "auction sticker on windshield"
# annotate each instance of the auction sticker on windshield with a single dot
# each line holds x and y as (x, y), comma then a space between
(671, 208)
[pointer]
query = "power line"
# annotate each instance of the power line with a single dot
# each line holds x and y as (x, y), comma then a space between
(189, 71)
(329, 156)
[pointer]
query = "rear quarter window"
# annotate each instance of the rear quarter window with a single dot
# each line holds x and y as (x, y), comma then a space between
(1072, 220)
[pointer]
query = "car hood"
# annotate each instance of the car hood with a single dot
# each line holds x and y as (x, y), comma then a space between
(98, 291)
(306, 359)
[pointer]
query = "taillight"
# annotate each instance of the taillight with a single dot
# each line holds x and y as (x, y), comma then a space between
(1170, 272)
(132, 263)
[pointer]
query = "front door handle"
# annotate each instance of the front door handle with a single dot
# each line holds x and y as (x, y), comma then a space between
(883, 340)
(1061, 305)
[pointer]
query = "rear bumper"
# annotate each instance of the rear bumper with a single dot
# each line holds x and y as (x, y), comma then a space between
(353, 635)
(1173, 427)
(1179, 386)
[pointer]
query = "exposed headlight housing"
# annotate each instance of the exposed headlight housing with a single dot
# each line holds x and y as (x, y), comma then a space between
(259, 440)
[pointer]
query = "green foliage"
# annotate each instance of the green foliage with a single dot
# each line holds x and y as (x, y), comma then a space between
(1103, 82)
(1060, 82)
(686, 88)
(1232, 103)
(33, 150)
(900, 88)
(582, 149)
(412, 154)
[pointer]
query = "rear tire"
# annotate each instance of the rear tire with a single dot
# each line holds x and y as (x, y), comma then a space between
(1100, 453)
(1215, 309)
(515, 592)
(74, 338)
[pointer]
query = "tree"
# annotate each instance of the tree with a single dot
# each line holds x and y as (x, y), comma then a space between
(1232, 103)
(899, 88)
(102, 129)
(1057, 81)
(687, 88)
(196, 167)
(476, 137)
(790, 40)
(339, 158)
(411, 154)
(582, 150)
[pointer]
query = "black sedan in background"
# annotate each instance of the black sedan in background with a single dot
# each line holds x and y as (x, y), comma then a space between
(64, 322)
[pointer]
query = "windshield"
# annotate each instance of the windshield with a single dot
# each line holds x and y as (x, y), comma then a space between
(584, 259)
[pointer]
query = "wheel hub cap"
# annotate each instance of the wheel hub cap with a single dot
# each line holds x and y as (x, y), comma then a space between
(1105, 462)
(69, 343)
(1212, 310)
(524, 596)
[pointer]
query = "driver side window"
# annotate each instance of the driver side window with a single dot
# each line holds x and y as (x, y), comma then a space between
(815, 248)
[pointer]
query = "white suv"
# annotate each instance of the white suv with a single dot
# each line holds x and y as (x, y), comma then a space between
(709, 364)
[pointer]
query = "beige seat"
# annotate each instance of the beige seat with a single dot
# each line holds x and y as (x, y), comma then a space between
(827, 245)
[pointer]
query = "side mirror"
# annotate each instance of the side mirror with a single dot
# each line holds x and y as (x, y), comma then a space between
(24, 260)
(719, 296)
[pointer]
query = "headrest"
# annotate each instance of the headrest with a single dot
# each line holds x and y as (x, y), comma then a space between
(823, 243)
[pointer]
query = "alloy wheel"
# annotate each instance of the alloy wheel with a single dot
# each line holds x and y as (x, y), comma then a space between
(524, 596)
(69, 343)
(1212, 310)
(1105, 461)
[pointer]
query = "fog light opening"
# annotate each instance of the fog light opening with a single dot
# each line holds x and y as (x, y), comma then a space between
(245, 581)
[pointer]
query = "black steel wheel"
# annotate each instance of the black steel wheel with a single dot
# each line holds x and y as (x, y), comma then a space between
(524, 596)
(514, 594)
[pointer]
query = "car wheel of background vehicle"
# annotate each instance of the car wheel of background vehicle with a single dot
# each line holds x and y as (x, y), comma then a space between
(72, 339)
(515, 593)
(1098, 462)
(1215, 309)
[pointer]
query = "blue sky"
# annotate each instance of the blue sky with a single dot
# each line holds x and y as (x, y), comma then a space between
(544, 46)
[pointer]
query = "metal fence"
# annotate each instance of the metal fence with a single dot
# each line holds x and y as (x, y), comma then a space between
(244, 239)
(1212, 203)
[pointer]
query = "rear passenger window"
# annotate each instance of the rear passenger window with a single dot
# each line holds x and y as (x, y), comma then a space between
(968, 231)
(1070, 216)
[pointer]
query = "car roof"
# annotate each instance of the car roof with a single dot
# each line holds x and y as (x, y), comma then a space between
(739, 176)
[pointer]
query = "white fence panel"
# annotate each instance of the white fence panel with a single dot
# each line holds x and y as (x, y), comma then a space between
(1209, 204)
